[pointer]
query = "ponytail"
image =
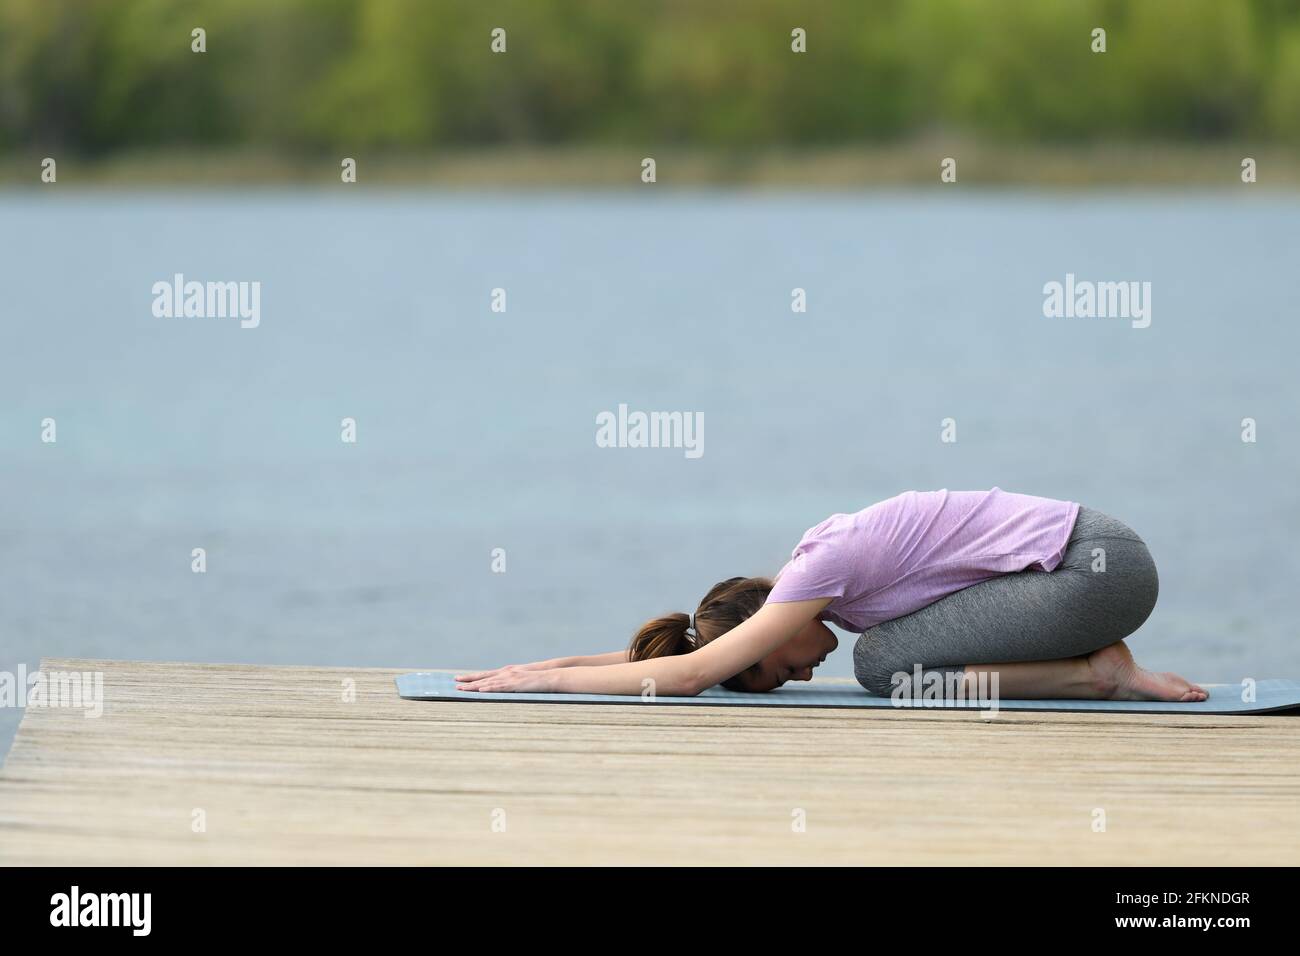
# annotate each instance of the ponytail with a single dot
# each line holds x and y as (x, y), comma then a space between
(665, 636)
(728, 604)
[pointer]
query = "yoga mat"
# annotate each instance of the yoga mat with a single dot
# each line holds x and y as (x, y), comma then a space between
(1224, 698)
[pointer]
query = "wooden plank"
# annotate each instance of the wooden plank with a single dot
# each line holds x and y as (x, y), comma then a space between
(287, 769)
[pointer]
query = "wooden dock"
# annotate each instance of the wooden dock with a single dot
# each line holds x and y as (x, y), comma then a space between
(235, 764)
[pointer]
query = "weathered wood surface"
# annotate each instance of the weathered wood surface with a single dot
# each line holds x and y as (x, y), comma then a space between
(285, 769)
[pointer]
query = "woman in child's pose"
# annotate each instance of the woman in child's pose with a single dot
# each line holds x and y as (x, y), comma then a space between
(956, 583)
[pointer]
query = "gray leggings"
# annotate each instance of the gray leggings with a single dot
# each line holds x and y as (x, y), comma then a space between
(1025, 616)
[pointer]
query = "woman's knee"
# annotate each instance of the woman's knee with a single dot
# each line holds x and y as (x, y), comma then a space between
(1128, 585)
(874, 666)
(1145, 585)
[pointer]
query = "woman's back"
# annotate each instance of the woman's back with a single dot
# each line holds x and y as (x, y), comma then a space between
(909, 551)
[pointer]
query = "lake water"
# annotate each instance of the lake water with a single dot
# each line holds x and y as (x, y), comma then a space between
(476, 430)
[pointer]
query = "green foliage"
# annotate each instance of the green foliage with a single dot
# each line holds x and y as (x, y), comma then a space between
(107, 75)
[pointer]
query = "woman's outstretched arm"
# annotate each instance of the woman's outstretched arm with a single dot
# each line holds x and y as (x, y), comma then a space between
(682, 675)
(582, 660)
(590, 660)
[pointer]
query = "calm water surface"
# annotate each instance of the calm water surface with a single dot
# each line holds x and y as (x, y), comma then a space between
(476, 429)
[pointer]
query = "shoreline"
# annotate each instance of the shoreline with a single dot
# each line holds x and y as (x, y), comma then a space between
(1164, 166)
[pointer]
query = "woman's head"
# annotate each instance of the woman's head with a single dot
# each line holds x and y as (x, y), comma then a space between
(728, 604)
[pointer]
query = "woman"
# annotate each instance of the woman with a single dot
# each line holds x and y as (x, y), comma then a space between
(948, 587)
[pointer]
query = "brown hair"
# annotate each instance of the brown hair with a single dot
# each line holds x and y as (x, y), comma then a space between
(728, 604)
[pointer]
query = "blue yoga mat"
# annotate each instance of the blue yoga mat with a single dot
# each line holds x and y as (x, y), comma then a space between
(1224, 698)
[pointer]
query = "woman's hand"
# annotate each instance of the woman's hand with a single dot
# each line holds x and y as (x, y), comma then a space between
(512, 679)
(590, 660)
(479, 675)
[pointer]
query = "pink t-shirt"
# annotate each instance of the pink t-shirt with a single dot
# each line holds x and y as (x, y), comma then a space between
(901, 554)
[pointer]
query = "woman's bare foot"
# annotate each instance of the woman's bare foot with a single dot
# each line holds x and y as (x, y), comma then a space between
(1118, 677)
